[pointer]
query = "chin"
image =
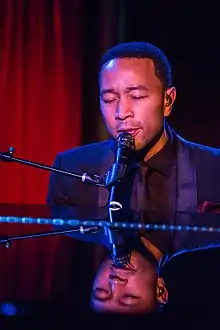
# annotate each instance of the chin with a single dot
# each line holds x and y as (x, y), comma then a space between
(139, 146)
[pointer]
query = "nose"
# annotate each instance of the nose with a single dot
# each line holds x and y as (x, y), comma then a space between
(124, 109)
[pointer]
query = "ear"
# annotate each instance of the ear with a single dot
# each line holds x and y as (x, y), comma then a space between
(169, 99)
(162, 293)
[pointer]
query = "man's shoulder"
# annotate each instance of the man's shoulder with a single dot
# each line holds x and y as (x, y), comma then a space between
(200, 150)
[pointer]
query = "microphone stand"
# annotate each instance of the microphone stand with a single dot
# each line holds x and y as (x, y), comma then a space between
(85, 177)
(94, 179)
(111, 179)
(6, 241)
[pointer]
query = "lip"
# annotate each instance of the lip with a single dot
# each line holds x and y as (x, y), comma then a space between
(121, 274)
(132, 131)
(117, 278)
(128, 268)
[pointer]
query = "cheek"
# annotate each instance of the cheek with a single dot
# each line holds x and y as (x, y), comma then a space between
(101, 279)
(102, 283)
(109, 118)
(142, 287)
(151, 116)
(149, 109)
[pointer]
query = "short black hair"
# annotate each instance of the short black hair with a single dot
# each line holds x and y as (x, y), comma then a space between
(142, 50)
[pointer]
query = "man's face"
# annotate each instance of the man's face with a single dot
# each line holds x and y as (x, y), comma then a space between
(125, 291)
(132, 99)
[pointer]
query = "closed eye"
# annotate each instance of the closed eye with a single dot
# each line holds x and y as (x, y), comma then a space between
(138, 97)
(101, 294)
(109, 101)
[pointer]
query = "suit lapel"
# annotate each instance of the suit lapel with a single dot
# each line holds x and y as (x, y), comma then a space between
(186, 192)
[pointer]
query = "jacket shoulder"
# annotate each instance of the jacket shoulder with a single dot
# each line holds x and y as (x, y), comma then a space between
(200, 149)
(86, 158)
(87, 150)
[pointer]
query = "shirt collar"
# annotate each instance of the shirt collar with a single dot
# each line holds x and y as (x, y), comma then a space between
(162, 161)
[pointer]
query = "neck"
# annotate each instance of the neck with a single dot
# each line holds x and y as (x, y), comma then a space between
(157, 146)
(153, 249)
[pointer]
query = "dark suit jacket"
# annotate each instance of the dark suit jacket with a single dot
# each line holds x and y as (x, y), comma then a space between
(196, 179)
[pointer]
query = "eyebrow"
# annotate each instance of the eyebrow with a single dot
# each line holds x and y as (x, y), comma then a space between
(137, 87)
(136, 300)
(128, 89)
(109, 90)
(135, 304)
(131, 296)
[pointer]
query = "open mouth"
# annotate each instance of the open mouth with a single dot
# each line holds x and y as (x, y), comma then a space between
(128, 267)
(132, 131)
(118, 279)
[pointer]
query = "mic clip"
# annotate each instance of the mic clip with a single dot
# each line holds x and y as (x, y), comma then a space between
(115, 174)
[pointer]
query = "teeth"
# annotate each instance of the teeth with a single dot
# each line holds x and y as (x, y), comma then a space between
(132, 132)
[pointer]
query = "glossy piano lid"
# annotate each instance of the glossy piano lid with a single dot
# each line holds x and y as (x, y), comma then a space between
(210, 217)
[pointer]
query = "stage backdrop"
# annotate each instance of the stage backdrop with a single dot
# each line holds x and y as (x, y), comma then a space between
(40, 102)
(49, 57)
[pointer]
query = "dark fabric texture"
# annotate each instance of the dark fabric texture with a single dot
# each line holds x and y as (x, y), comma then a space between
(180, 177)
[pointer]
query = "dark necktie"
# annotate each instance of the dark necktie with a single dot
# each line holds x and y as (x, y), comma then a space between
(142, 189)
(143, 197)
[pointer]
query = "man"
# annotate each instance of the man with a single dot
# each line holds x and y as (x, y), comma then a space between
(170, 175)
(136, 289)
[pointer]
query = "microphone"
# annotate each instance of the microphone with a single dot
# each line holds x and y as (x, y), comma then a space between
(124, 153)
(120, 252)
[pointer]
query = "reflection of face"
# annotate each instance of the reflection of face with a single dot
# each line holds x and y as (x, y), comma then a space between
(125, 291)
(132, 98)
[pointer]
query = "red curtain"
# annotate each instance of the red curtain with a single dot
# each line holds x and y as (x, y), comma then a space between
(40, 102)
